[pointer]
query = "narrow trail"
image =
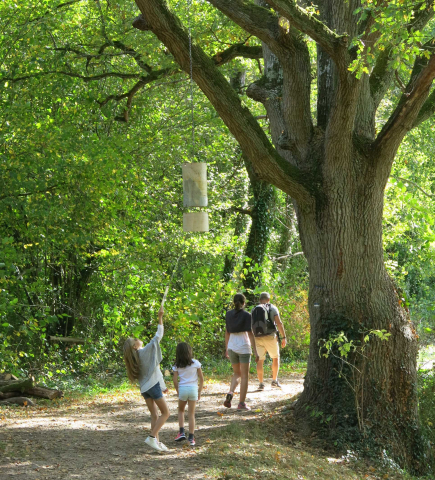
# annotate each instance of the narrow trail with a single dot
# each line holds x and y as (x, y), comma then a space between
(104, 437)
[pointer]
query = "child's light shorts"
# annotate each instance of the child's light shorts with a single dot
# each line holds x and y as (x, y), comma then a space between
(188, 392)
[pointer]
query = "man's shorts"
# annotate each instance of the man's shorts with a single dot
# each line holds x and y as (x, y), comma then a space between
(269, 344)
(154, 392)
(188, 392)
(239, 357)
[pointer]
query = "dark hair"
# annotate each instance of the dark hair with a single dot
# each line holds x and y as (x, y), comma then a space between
(239, 301)
(183, 355)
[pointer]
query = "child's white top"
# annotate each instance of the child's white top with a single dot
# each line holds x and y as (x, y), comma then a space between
(188, 376)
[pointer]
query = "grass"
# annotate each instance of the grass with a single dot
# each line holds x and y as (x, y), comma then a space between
(266, 448)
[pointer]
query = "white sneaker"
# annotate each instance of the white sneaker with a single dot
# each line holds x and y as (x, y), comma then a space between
(153, 443)
(163, 447)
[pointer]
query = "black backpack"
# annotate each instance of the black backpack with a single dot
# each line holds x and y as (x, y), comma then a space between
(261, 323)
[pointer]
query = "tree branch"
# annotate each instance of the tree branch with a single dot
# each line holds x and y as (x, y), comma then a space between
(76, 75)
(335, 45)
(245, 211)
(408, 108)
(414, 184)
(237, 50)
(258, 21)
(426, 111)
(268, 164)
(27, 194)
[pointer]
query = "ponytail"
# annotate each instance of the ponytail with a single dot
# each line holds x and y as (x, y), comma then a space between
(239, 301)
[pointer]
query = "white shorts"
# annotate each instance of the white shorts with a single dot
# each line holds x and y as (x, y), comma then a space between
(188, 392)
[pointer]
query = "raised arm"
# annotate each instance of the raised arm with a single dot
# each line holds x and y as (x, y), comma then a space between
(160, 328)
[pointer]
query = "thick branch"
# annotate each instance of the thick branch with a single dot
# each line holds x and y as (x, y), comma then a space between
(270, 166)
(406, 112)
(258, 21)
(335, 45)
(426, 111)
(237, 50)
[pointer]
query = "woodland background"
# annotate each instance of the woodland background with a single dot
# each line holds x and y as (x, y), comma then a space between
(91, 199)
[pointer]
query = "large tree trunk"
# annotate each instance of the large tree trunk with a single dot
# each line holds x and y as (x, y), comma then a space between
(351, 292)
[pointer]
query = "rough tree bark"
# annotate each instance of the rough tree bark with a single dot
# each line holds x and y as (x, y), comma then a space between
(336, 172)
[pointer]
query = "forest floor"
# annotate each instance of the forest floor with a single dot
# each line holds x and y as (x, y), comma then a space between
(103, 437)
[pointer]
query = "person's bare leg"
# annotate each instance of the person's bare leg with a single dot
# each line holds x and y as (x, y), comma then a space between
(181, 407)
(260, 370)
(235, 379)
(191, 415)
(161, 403)
(152, 407)
(275, 368)
(244, 370)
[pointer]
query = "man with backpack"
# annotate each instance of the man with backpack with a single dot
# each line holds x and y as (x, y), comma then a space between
(266, 324)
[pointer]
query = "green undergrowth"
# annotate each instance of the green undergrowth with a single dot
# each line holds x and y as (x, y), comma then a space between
(103, 382)
(426, 386)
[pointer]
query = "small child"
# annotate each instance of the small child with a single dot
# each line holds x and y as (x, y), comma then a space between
(142, 365)
(187, 371)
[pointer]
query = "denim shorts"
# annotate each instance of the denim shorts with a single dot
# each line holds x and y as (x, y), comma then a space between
(239, 357)
(154, 392)
(188, 392)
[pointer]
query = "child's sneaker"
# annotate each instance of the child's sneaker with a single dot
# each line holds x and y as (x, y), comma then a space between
(192, 442)
(275, 383)
(227, 402)
(153, 443)
(243, 406)
(163, 447)
(180, 437)
(261, 387)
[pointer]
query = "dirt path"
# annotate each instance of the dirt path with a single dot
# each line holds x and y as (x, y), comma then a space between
(104, 437)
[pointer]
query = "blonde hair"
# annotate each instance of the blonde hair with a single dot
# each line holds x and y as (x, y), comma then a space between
(131, 360)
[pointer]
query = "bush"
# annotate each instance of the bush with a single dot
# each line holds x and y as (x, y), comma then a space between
(426, 386)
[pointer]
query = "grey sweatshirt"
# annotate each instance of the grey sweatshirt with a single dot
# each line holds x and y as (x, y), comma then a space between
(150, 357)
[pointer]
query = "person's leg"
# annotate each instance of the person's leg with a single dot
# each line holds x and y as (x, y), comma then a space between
(191, 415)
(181, 407)
(161, 403)
(275, 368)
(244, 371)
(260, 370)
(235, 379)
(234, 383)
(261, 350)
(152, 407)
